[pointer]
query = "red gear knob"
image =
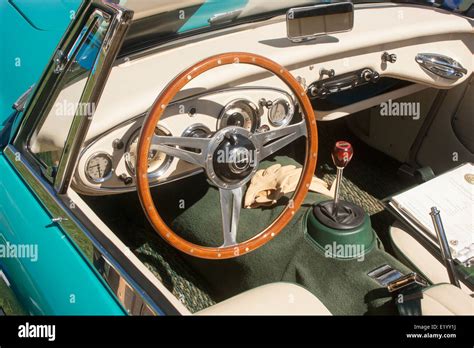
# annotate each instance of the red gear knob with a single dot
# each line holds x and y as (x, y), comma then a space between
(342, 154)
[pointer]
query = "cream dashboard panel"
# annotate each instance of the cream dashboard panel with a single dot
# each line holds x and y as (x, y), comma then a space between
(107, 163)
(404, 30)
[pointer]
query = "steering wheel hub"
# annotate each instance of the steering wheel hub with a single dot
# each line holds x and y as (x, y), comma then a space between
(233, 157)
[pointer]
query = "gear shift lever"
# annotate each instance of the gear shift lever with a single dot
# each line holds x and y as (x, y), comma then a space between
(341, 156)
(336, 222)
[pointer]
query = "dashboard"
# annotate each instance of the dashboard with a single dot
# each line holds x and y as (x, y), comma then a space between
(380, 59)
(107, 164)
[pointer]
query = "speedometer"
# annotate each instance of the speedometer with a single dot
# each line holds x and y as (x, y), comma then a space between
(241, 113)
(158, 162)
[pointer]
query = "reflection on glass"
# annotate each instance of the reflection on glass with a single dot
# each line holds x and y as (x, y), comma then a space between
(47, 141)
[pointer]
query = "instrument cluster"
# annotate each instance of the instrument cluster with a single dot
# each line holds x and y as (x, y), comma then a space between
(107, 164)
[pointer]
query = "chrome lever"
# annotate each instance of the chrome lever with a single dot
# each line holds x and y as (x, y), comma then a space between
(441, 65)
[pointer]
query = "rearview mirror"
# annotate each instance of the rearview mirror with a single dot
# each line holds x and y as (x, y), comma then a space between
(309, 22)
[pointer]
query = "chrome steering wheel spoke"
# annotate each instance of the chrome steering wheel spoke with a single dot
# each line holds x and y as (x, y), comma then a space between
(192, 150)
(231, 204)
(272, 141)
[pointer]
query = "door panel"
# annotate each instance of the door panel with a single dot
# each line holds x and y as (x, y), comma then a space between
(59, 281)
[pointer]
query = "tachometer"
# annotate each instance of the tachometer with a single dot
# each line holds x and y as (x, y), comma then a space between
(242, 113)
(158, 162)
(99, 167)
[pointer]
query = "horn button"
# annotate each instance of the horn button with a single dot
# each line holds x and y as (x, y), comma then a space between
(234, 157)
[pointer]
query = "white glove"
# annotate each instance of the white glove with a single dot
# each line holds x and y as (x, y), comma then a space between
(269, 185)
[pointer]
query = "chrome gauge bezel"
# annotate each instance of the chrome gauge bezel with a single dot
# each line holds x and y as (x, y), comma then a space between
(289, 115)
(105, 178)
(255, 114)
(131, 166)
(188, 131)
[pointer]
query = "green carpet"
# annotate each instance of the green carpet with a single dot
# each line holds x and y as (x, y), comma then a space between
(194, 211)
(343, 286)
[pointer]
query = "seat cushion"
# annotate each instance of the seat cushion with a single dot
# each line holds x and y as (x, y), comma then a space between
(270, 299)
(446, 299)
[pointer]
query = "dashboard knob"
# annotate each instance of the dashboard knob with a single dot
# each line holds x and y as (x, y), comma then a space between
(370, 75)
(387, 57)
(127, 180)
(267, 103)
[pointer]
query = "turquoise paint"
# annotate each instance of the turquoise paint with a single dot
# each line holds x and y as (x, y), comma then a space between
(211, 7)
(29, 33)
(45, 287)
(49, 15)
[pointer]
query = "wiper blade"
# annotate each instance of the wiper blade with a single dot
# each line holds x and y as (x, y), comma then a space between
(225, 17)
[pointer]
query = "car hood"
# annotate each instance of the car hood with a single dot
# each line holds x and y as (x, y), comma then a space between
(38, 27)
(46, 14)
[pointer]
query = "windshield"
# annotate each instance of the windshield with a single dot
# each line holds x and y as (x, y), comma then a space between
(47, 142)
(158, 21)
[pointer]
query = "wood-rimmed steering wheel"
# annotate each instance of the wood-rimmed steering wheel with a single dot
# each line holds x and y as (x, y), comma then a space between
(229, 173)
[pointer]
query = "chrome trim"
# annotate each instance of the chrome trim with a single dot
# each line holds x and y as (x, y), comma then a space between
(444, 246)
(289, 114)
(233, 104)
(406, 280)
(185, 99)
(441, 65)
(76, 232)
(301, 38)
(19, 104)
(95, 84)
(210, 153)
(197, 126)
(105, 178)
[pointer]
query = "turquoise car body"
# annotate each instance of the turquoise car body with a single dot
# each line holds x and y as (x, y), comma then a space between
(61, 281)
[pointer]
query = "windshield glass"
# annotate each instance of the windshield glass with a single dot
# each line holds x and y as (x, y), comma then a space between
(157, 21)
(46, 141)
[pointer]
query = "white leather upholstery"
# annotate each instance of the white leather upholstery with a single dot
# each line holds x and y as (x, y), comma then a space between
(446, 299)
(270, 299)
(431, 268)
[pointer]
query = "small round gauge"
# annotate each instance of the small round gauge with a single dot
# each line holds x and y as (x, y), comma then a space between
(99, 167)
(241, 113)
(196, 131)
(280, 113)
(158, 161)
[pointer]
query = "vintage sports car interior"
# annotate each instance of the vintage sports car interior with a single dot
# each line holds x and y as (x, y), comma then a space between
(238, 157)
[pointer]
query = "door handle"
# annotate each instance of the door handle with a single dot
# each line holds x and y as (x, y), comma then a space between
(441, 65)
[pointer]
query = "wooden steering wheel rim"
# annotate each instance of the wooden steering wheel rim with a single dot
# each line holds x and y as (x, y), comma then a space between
(148, 128)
